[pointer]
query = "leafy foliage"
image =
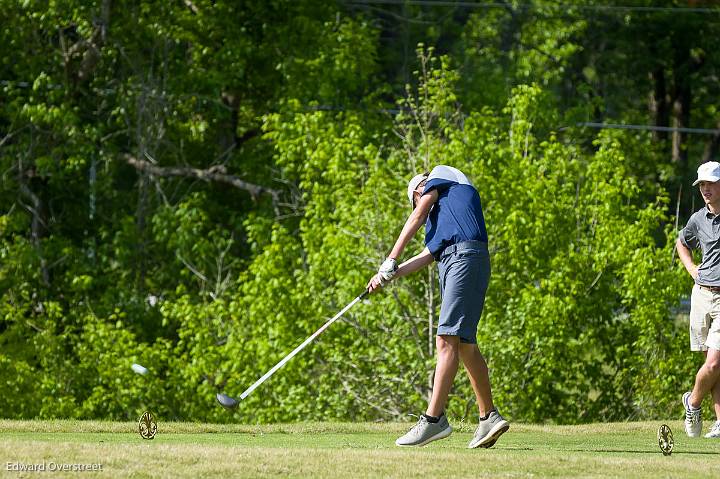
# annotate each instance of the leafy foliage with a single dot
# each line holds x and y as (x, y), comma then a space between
(197, 186)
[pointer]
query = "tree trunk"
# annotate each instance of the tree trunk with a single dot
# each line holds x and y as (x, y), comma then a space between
(38, 225)
(685, 65)
(658, 102)
(681, 119)
(712, 146)
(140, 225)
(431, 321)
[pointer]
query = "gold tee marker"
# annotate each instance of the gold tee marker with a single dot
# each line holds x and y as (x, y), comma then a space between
(665, 440)
(147, 425)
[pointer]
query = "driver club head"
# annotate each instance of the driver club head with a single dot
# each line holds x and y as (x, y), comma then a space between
(226, 401)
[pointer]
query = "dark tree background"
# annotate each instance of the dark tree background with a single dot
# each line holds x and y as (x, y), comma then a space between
(197, 185)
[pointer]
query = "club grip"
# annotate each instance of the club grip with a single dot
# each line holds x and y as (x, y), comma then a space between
(364, 294)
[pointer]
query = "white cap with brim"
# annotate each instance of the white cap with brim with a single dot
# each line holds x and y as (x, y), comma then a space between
(709, 171)
(412, 186)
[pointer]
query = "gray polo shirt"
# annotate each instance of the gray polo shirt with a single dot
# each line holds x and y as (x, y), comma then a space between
(703, 231)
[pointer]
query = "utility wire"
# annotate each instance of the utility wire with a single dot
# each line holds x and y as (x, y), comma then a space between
(561, 6)
(700, 131)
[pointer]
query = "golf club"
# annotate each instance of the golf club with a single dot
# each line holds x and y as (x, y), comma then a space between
(230, 403)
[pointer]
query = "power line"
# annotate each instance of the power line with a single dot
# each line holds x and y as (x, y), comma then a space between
(560, 6)
(617, 126)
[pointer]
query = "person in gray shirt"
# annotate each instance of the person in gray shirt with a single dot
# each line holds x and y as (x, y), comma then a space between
(703, 232)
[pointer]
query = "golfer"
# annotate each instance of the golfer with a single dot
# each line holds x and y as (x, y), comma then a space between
(455, 236)
(703, 231)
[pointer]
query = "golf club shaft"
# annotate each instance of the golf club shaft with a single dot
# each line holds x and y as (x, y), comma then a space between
(300, 348)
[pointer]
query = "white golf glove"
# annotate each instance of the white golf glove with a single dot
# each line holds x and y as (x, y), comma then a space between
(387, 270)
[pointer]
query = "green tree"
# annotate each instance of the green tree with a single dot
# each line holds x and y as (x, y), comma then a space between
(196, 186)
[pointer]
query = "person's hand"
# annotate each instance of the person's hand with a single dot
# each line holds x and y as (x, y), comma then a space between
(388, 269)
(375, 283)
(694, 272)
(385, 273)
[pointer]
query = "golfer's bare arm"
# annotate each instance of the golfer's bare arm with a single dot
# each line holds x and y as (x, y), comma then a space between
(414, 222)
(411, 227)
(415, 263)
(686, 258)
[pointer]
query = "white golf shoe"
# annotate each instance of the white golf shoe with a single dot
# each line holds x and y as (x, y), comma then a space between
(489, 430)
(693, 417)
(424, 432)
(714, 431)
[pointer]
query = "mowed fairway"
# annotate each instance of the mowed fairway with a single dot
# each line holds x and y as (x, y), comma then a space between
(350, 451)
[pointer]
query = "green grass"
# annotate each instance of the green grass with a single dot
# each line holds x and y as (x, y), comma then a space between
(351, 450)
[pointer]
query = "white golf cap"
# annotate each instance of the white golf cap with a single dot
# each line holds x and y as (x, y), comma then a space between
(413, 184)
(709, 171)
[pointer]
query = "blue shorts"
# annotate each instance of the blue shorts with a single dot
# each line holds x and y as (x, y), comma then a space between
(464, 276)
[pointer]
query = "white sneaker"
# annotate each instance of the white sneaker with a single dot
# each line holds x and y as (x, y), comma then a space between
(424, 432)
(714, 431)
(489, 430)
(693, 418)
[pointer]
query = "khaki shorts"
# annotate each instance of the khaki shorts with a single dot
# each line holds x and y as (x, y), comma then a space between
(704, 319)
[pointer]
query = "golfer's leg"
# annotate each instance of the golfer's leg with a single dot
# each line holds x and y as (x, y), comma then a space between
(715, 393)
(477, 370)
(445, 370)
(706, 378)
(713, 344)
(716, 399)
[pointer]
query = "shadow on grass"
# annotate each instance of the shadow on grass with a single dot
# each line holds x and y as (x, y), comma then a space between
(610, 451)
